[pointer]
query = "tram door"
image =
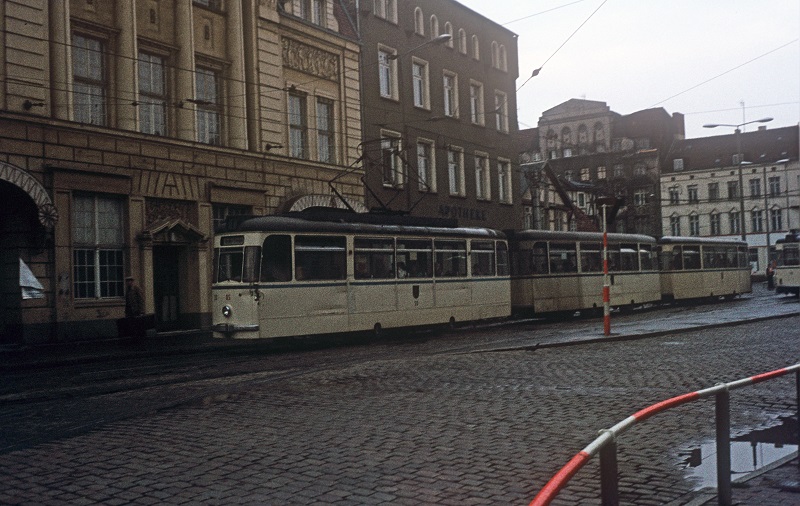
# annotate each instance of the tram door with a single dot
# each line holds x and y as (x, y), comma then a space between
(166, 286)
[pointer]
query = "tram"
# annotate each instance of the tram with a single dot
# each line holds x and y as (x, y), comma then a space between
(787, 273)
(553, 272)
(302, 274)
(703, 267)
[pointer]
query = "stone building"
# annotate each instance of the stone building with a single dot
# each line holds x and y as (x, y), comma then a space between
(703, 191)
(129, 128)
(439, 112)
(594, 151)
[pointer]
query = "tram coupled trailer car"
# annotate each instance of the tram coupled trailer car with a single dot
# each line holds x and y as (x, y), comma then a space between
(281, 276)
(703, 268)
(787, 273)
(559, 272)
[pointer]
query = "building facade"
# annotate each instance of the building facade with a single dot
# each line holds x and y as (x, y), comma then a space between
(129, 128)
(723, 186)
(593, 152)
(439, 102)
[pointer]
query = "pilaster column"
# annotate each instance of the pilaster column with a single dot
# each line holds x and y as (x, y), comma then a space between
(185, 85)
(127, 77)
(237, 91)
(60, 60)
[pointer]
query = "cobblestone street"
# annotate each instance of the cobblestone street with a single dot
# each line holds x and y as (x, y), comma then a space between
(466, 428)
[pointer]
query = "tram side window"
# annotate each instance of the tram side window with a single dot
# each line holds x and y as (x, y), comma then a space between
(482, 255)
(320, 258)
(791, 254)
(374, 258)
(502, 259)
(743, 257)
(691, 257)
(671, 259)
(414, 258)
(629, 259)
(646, 257)
(563, 258)
(539, 258)
(276, 259)
(591, 257)
(451, 258)
(614, 260)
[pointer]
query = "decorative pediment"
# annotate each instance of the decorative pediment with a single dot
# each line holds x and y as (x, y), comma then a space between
(173, 231)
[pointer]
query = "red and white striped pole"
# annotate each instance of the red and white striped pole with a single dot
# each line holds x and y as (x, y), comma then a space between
(606, 287)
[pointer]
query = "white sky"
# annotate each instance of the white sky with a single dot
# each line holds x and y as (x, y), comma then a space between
(702, 58)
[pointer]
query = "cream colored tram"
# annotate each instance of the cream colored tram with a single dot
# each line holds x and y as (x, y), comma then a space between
(703, 267)
(291, 275)
(554, 272)
(787, 273)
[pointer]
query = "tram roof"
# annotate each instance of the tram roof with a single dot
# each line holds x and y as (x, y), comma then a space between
(791, 237)
(672, 239)
(278, 223)
(553, 235)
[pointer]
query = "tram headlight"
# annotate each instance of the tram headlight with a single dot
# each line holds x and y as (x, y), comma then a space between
(227, 311)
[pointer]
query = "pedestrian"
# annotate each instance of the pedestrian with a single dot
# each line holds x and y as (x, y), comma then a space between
(134, 323)
(771, 275)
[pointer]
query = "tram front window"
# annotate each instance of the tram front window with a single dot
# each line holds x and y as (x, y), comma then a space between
(791, 255)
(229, 265)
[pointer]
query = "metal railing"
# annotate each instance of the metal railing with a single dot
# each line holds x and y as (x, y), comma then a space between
(606, 446)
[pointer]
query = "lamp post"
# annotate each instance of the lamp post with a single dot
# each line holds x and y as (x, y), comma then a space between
(605, 203)
(742, 220)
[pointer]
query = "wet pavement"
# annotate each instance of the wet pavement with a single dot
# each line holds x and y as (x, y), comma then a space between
(776, 484)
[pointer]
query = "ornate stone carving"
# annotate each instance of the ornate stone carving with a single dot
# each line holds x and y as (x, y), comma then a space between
(310, 60)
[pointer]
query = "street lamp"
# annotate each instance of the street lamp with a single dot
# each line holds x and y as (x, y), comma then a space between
(605, 203)
(739, 156)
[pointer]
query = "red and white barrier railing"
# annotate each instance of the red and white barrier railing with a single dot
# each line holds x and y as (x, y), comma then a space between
(605, 444)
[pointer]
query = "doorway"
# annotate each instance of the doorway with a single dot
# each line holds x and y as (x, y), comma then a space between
(167, 287)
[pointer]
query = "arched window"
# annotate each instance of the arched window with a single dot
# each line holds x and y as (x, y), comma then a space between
(502, 57)
(419, 22)
(462, 41)
(434, 27)
(448, 29)
(495, 54)
(476, 48)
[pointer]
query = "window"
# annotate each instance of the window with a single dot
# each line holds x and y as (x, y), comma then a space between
(495, 54)
(152, 102)
(677, 164)
(298, 126)
(434, 27)
(450, 84)
(393, 174)
(482, 189)
(462, 41)
(674, 195)
(209, 118)
(426, 170)
(450, 259)
(448, 29)
(694, 224)
(775, 219)
(601, 172)
(774, 186)
(455, 171)
(675, 225)
(326, 139)
(387, 70)
(98, 269)
(386, 9)
(419, 22)
(619, 170)
(716, 225)
(755, 187)
(320, 258)
(504, 181)
(221, 212)
(476, 48)
(693, 194)
(501, 111)
(476, 103)
(640, 198)
(482, 257)
(502, 59)
(89, 80)
(211, 4)
(757, 220)
(318, 11)
(414, 258)
(585, 175)
(374, 258)
(419, 70)
(733, 190)
(735, 222)
(713, 191)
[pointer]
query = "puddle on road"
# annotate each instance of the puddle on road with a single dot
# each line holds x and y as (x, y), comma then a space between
(749, 453)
